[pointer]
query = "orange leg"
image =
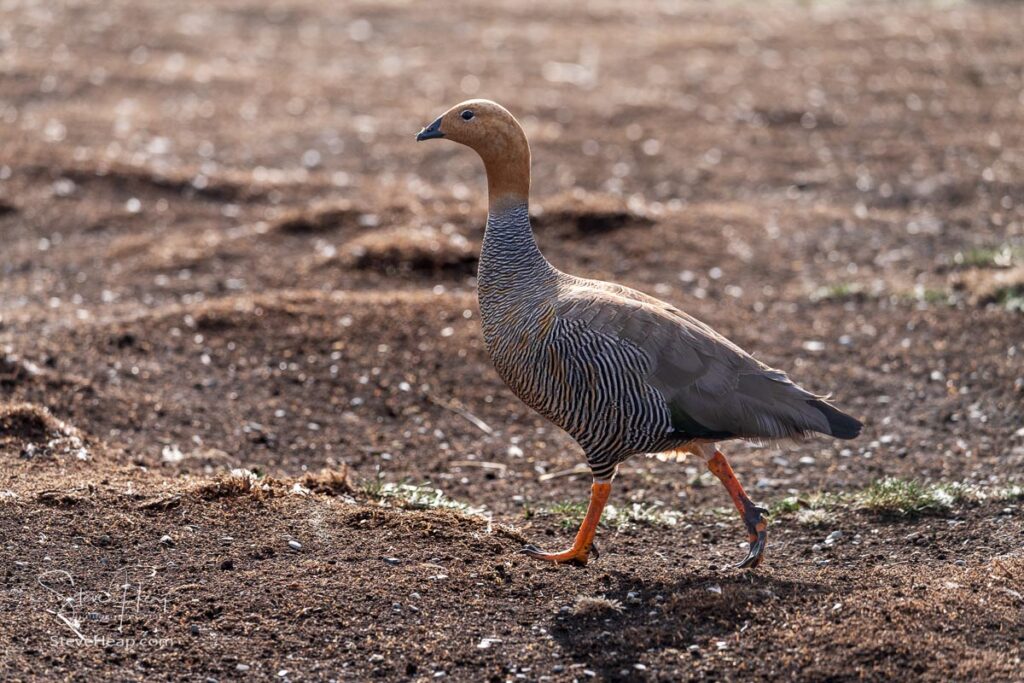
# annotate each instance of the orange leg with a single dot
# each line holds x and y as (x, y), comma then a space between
(753, 516)
(579, 553)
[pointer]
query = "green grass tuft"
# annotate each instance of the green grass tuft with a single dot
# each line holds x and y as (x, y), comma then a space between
(1000, 256)
(903, 497)
(415, 497)
(843, 291)
(796, 504)
(1010, 297)
(892, 497)
(570, 514)
(930, 295)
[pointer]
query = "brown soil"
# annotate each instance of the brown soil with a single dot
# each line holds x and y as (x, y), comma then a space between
(222, 251)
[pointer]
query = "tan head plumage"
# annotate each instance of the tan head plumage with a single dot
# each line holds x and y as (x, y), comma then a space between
(492, 131)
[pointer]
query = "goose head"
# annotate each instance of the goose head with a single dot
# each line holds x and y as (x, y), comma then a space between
(491, 131)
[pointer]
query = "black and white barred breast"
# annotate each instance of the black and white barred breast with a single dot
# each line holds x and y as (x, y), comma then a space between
(588, 384)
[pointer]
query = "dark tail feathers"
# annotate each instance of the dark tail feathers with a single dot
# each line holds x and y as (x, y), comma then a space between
(842, 425)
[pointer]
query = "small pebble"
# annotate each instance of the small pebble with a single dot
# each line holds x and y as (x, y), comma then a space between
(393, 560)
(295, 545)
(166, 540)
(241, 667)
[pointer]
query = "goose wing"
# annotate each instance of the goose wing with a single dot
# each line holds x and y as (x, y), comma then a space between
(712, 387)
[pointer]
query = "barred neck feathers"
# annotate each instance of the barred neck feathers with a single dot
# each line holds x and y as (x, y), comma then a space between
(515, 285)
(509, 242)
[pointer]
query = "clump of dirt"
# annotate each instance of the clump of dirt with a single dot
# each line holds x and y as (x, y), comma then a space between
(588, 213)
(60, 498)
(782, 117)
(175, 252)
(240, 483)
(330, 482)
(190, 182)
(27, 422)
(324, 217)
(419, 249)
(596, 606)
(13, 371)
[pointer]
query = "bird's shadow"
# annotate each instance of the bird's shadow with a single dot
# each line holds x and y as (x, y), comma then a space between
(698, 609)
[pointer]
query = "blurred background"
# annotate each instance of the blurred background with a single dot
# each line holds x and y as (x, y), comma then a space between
(835, 186)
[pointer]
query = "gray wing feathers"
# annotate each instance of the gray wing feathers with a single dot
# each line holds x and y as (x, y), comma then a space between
(704, 377)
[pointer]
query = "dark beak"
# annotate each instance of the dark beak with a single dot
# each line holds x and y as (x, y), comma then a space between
(430, 132)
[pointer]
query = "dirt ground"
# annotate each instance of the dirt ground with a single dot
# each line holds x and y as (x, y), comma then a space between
(222, 251)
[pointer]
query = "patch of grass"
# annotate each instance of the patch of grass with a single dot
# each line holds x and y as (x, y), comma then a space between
(999, 256)
(843, 291)
(815, 517)
(929, 295)
(903, 497)
(571, 514)
(374, 488)
(797, 504)
(892, 497)
(1010, 297)
(415, 497)
(785, 506)
(654, 514)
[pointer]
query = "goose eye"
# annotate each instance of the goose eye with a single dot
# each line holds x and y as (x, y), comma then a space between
(467, 115)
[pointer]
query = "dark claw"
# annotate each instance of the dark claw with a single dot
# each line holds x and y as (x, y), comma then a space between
(531, 550)
(593, 551)
(757, 528)
(755, 553)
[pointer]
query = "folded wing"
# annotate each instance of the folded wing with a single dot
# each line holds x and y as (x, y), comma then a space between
(713, 389)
